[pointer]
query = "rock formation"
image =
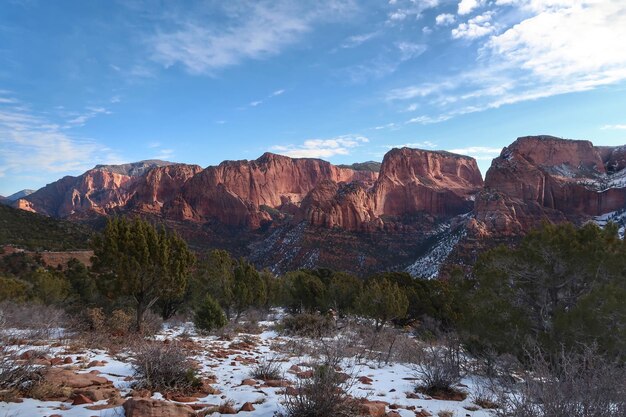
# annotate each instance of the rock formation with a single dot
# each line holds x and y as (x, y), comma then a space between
(544, 178)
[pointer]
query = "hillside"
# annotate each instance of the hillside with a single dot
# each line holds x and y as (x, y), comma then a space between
(37, 232)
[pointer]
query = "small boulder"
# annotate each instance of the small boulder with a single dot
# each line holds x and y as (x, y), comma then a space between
(147, 407)
(247, 407)
(80, 399)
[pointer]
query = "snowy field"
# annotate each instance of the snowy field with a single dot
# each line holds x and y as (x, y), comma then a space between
(229, 364)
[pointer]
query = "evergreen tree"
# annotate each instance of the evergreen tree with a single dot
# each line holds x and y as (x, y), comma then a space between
(383, 301)
(215, 276)
(305, 291)
(209, 315)
(248, 288)
(135, 260)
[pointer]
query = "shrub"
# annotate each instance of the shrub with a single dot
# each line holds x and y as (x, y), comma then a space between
(43, 322)
(13, 289)
(209, 315)
(322, 395)
(164, 367)
(439, 369)
(120, 322)
(266, 369)
(307, 325)
(574, 385)
(17, 375)
(152, 323)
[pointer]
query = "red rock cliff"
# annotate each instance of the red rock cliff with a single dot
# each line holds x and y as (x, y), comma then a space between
(543, 177)
(235, 192)
(411, 181)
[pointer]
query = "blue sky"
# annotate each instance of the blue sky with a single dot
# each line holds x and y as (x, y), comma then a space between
(89, 82)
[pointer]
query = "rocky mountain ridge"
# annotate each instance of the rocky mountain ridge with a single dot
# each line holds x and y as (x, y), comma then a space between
(415, 212)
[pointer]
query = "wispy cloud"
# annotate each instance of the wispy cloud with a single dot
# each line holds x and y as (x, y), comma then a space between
(90, 113)
(387, 62)
(322, 148)
(556, 47)
(614, 127)
(357, 40)
(33, 146)
(426, 144)
(250, 31)
(409, 9)
(273, 94)
(480, 153)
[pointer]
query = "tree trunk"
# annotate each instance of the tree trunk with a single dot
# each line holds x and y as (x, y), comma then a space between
(141, 311)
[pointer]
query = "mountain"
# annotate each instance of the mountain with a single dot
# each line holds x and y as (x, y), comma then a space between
(19, 194)
(545, 178)
(421, 210)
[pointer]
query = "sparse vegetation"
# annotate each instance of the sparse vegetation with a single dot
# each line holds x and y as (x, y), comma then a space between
(267, 369)
(164, 367)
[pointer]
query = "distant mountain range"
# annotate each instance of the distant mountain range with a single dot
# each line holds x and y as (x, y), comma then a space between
(417, 210)
(18, 195)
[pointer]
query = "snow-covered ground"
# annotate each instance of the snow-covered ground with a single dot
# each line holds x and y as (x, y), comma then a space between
(389, 383)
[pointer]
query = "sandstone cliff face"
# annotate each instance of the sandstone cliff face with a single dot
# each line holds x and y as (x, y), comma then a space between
(236, 192)
(545, 178)
(98, 191)
(411, 182)
(439, 183)
(158, 190)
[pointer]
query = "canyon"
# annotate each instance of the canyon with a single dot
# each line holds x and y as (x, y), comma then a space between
(418, 210)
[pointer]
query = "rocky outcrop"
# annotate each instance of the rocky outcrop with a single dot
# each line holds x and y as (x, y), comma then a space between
(148, 407)
(238, 193)
(411, 182)
(545, 178)
(159, 189)
(106, 188)
(438, 183)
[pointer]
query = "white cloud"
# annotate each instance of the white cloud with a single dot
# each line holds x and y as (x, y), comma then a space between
(476, 27)
(467, 6)
(554, 47)
(277, 93)
(614, 127)
(357, 40)
(254, 30)
(572, 41)
(90, 113)
(391, 125)
(427, 120)
(445, 19)
(410, 9)
(410, 50)
(427, 144)
(322, 148)
(480, 153)
(33, 147)
(255, 103)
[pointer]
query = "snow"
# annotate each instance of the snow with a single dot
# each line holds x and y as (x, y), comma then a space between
(428, 264)
(390, 382)
(618, 217)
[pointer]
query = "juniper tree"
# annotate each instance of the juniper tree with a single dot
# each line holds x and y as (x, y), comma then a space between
(134, 259)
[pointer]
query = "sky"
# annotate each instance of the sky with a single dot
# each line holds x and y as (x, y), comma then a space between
(97, 82)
